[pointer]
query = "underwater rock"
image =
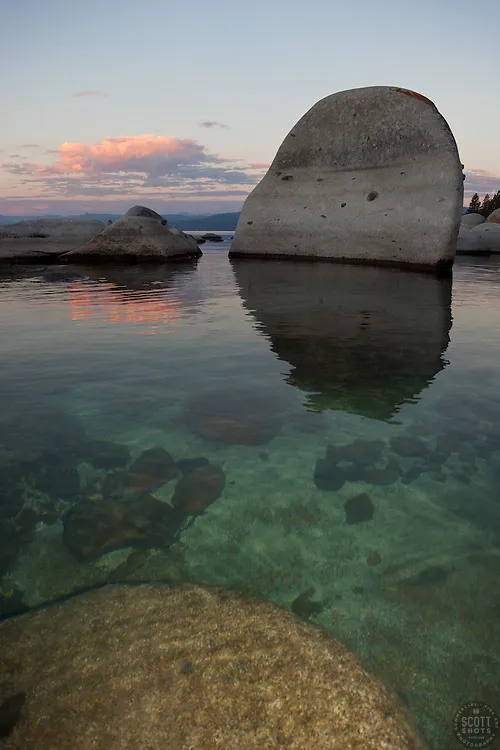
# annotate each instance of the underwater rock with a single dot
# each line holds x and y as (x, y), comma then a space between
(121, 653)
(36, 432)
(58, 477)
(9, 546)
(360, 451)
(373, 558)
(238, 416)
(10, 713)
(187, 465)
(113, 486)
(409, 446)
(25, 523)
(153, 468)
(358, 509)
(12, 603)
(427, 577)
(11, 494)
(96, 526)
(133, 562)
(304, 607)
(328, 476)
(103, 454)
(383, 476)
(415, 472)
(199, 489)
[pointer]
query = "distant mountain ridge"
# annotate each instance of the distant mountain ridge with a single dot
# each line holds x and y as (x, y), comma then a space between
(190, 222)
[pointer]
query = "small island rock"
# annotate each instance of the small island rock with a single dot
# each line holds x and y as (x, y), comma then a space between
(42, 240)
(140, 235)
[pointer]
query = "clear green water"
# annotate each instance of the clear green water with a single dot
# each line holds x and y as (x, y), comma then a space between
(258, 368)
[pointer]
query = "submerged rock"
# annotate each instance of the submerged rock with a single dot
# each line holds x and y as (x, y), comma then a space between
(150, 470)
(238, 416)
(103, 454)
(381, 476)
(58, 477)
(188, 465)
(11, 494)
(328, 476)
(199, 489)
(160, 667)
(427, 577)
(358, 509)
(373, 558)
(347, 178)
(96, 526)
(303, 606)
(363, 452)
(409, 446)
(140, 235)
(10, 713)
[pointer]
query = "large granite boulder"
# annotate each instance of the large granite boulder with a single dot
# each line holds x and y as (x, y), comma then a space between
(494, 217)
(486, 236)
(140, 235)
(156, 667)
(467, 241)
(369, 176)
(44, 239)
(472, 220)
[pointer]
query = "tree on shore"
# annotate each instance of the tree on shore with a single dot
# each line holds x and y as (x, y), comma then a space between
(475, 204)
(486, 206)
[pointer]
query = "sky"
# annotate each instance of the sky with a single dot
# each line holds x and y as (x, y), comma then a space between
(182, 105)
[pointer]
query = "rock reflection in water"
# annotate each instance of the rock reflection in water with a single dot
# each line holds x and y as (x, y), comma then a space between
(364, 340)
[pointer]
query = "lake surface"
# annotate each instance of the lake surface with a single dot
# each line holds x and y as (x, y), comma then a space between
(333, 440)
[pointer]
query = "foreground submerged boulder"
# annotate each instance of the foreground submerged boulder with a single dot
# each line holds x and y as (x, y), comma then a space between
(369, 175)
(43, 240)
(140, 235)
(154, 667)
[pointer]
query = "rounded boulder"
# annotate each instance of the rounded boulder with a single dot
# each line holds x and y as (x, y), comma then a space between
(487, 236)
(472, 220)
(151, 666)
(368, 175)
(140, 235)
(494, 217)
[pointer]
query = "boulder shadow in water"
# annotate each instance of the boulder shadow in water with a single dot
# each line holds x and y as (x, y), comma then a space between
(363, 340)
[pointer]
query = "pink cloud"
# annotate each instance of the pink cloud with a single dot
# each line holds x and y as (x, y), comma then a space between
(124, 154)
(140, 168)
(79, 94)
(259, 165)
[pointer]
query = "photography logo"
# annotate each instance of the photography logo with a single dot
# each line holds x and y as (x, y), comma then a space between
(476, 724)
